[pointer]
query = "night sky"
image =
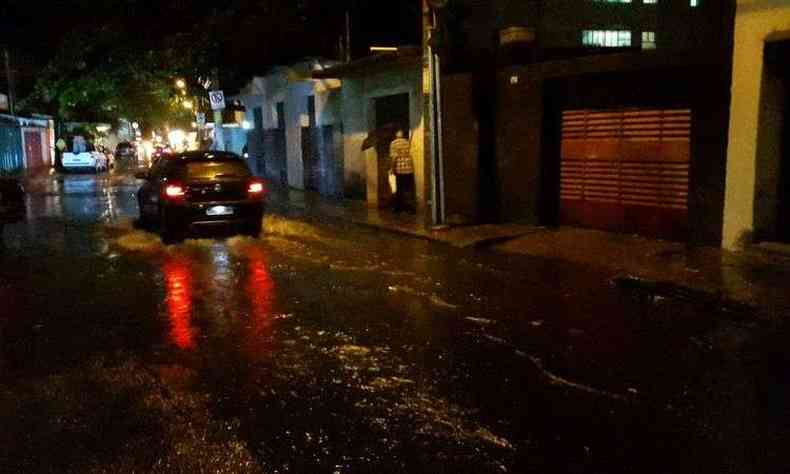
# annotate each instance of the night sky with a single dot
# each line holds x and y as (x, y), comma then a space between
(258, 33)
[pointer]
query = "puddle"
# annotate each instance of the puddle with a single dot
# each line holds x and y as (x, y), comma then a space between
(279, 226)
(140, 241)
(353, 351)
(354, 268)
(433, 298)
(149, 411)
(200, 243)
(481, 321)
(441, 419)
(390, 383)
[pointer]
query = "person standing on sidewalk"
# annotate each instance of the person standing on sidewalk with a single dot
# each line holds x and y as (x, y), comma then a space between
(60, 148)
(403, 167)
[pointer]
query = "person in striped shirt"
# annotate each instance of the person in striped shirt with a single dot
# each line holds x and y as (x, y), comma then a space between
(402, 166)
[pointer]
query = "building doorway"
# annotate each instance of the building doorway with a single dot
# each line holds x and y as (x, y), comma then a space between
(391, 114)
(783, 218)
(393, 111)
(772, 201)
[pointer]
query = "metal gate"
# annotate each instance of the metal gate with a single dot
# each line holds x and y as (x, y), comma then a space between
(275, 156)
(10, 147)
(626, 171)
(322, 170)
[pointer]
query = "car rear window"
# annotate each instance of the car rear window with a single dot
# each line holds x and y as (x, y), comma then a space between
(217, 170)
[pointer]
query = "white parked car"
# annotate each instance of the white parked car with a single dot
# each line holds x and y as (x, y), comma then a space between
(94, 161)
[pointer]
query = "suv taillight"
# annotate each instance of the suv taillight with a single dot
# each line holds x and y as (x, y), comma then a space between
(174, 191)
(256, 188)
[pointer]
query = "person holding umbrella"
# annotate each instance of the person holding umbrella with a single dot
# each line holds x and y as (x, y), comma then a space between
(402, 166)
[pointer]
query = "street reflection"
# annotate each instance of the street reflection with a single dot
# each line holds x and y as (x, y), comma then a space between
(179, 286)
(90, 185)
(223, 271)
(260, 290)
(248, 301)
(82, 198)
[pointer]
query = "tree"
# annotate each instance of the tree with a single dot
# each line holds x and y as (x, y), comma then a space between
(104, 73)
(121, 57)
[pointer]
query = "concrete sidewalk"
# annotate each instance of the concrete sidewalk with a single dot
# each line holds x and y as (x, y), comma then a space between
(359, 213)
(754, 280)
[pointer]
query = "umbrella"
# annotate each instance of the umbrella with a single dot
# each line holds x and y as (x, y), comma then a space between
(381, 136)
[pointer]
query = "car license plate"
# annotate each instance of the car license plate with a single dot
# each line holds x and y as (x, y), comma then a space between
(219, 211)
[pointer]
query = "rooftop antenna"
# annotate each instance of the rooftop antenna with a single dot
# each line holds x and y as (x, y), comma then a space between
(348, 36)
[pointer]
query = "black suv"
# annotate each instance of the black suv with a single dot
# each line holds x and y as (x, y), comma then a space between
(12, 202)
(186, 191)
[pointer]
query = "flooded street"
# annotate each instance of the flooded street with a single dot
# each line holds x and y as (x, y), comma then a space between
(325, 347)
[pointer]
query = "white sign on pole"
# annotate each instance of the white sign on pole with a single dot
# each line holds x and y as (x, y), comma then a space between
(217, 100)
(200, 119)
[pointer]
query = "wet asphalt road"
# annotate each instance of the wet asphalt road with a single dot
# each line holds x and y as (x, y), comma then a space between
(324, 347)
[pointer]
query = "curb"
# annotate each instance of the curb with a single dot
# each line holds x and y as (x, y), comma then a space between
(477, 245)
(491, 241)
(391, 230)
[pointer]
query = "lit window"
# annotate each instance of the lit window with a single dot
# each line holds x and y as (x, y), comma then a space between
(646, 2)
(648, 40)
(694, 3)
(606, 38)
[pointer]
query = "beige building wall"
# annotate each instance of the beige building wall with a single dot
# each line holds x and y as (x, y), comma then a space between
(757, 22)
(358, 97)
(292, 85)
(355, 129)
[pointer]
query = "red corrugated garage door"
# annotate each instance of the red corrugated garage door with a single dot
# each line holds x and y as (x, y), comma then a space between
(34, 155)
(626, 171)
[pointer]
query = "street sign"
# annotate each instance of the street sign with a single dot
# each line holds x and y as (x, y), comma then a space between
(217, 99)
(200, 119)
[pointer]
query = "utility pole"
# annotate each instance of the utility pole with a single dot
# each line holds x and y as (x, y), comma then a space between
(348, 37)
(10, 79)
(432, 86)
(219, 139)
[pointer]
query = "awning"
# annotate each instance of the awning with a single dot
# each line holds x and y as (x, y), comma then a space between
(402, 58)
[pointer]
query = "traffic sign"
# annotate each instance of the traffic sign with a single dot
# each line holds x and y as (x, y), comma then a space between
(217, 99)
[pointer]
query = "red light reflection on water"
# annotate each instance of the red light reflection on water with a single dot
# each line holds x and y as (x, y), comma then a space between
(260, 290)
(178, 284)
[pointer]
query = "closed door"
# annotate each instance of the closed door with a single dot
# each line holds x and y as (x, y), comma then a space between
(626, 171)
(33, 151)
(311, 158)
